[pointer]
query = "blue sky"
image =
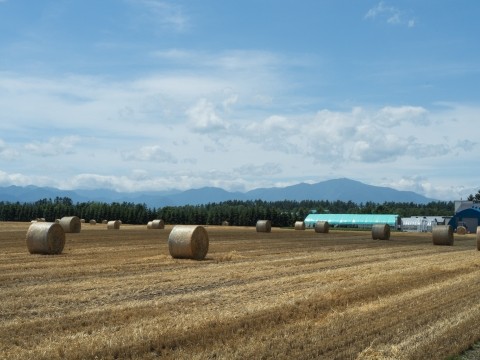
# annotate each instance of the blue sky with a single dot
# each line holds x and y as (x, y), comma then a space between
(154, 95)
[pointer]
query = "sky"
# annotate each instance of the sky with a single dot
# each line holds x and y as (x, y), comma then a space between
(142, 95)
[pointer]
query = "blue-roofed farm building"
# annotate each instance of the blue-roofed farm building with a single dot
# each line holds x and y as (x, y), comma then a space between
(467, 213)
(360, 221)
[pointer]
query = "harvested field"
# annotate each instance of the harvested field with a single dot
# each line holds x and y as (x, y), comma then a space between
(280, 295)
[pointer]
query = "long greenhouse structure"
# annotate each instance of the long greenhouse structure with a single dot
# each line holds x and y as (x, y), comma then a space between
(361, 221)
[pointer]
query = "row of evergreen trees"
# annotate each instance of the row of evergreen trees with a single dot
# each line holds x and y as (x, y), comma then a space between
(239, 213)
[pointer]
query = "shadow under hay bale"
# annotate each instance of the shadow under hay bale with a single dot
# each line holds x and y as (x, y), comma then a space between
(70, 224)
(45, 238)
(381, 232)
(299, 225)
(322, 227)
(188, 242)
(113, 225)
(264, 226)
(442, 235)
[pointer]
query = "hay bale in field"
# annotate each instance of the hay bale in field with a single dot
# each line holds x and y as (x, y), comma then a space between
(225, 223)
(70, 224)
(57, 221)
(92, 222)
(82, 221)
(149, 225)
(45, 238)
(322, 227)
(158, 224)
(442, 235)
(381, 232)
(113, 225)
(264, 226)
(104, 221)
(478, 238)
(299, 225)
(188, 242)
(461, 230)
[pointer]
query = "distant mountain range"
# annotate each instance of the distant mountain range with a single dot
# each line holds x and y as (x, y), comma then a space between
(332, 190)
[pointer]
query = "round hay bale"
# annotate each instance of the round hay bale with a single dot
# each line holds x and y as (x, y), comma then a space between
(442, 235)
(70, 224)
(45, 238)
(158, 224)
(381, 232)
(92, 222)
(113, 225)
(299, 225)
(478, 238)
(461, 230)
(188, 242)
(57, 221)
(322, 227)
(225, 223)
(149, 225)
(104, 221)
(82, 221)
(264, 226)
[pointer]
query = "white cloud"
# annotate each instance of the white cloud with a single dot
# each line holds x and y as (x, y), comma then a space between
(377, 149)
(419, 150)
(368, 136)
(273, 125)
(140, 175)
(95, 181)
(275, 133)
(7, 152)
(204, 117)
(395, 116)
(54, 146)
(19, 179)
(164, 14)
(246, 60)
(389, 14)
(154, 153)
(434, 190)
(174, 54)
(229, 102)
(262, 170)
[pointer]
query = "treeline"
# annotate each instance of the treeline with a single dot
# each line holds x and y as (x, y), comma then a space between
(238, 213)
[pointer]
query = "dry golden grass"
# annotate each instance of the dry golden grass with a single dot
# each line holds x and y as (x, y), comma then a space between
(285, 294)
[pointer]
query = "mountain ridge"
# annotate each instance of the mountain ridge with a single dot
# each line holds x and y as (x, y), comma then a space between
(342, 189)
